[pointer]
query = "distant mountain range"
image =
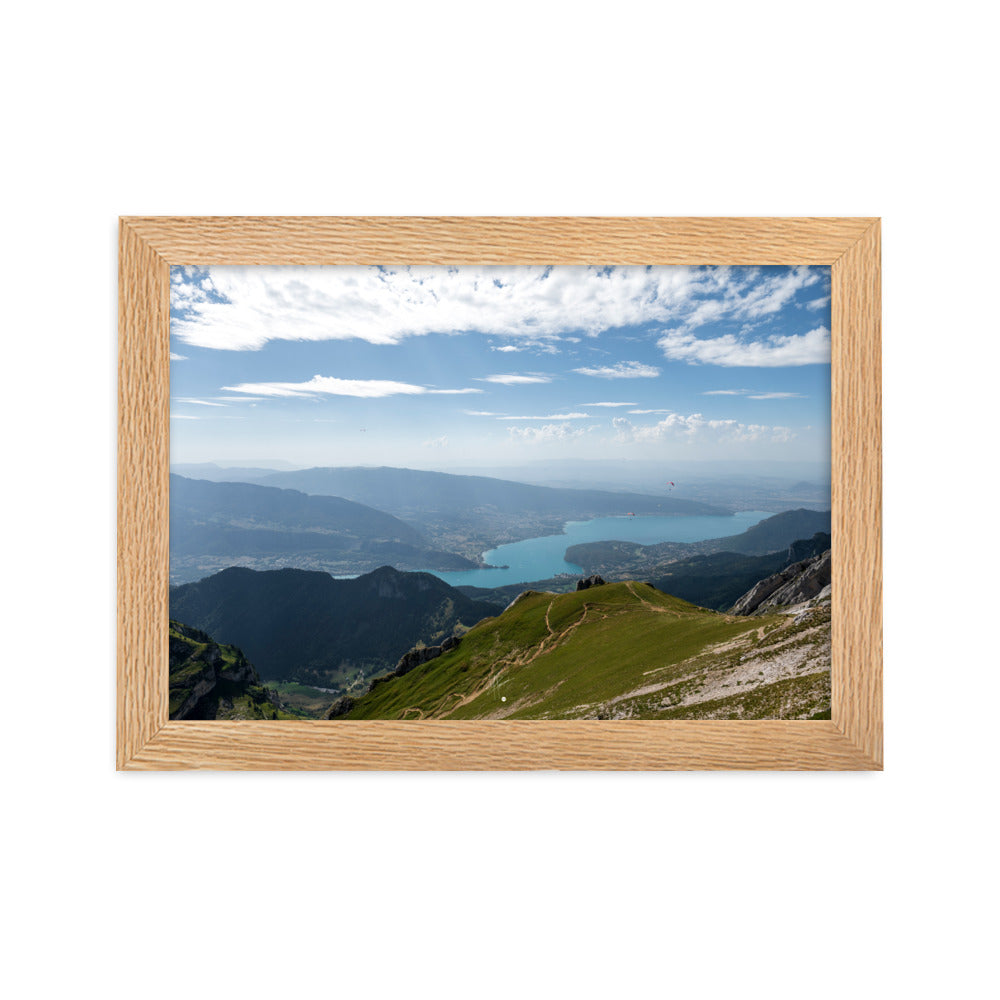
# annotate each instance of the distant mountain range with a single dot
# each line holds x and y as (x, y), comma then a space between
(410, 490)
(308, 627)
(217, 525)
(468, 514)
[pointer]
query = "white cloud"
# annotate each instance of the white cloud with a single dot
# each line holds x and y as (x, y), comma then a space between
(607, 404)
(695, 427)
(327, 385)
(481, 413)
(812, 348)
(196, 402)
(550, 432)
(508, 348)
(242, 308)
(818, 303)
(515, 379)
(177, 357)
(759, 395)
(637, 412)
(441, 442)
(553, 416)
(622, 369)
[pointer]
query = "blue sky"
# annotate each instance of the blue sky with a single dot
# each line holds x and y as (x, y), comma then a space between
(433, 367)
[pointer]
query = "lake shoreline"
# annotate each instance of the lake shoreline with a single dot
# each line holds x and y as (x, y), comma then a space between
(542, 557)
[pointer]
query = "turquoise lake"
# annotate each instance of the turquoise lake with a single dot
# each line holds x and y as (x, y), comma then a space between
(542, 558)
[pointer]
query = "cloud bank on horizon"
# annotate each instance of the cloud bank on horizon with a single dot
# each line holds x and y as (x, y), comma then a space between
(716, 362)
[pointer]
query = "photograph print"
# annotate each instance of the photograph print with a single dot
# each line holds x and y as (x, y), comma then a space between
(499, 492)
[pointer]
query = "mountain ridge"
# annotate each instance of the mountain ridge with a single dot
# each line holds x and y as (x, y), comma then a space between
(303, 625)
(217, 525)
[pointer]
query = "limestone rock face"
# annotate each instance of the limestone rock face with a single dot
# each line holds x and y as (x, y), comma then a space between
(802, 581)
(407, 662)
(340, 707)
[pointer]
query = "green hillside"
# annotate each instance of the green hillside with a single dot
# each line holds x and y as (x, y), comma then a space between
(211, 680)
(621, 650)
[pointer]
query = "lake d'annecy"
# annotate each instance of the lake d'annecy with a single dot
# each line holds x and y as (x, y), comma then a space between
(541, 558)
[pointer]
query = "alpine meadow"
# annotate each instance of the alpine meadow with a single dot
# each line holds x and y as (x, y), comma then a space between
(485, 492)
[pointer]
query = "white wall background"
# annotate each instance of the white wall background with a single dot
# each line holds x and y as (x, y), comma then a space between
(692, 885)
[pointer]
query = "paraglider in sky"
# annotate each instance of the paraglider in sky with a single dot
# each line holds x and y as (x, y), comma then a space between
(671, 485)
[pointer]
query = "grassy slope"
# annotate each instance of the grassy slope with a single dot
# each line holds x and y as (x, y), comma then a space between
(584, 654)
(189, 654)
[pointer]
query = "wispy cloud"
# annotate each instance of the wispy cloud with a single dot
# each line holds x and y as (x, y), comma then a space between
(327, 385)
(752, 395)
(481, 413)
(552, 416)
(607, 404)
(729, 351)
(548, 346)
(196, 402)
(622, 369)
(177, 357)
(515, 379)
(638, 412)
(441, 442)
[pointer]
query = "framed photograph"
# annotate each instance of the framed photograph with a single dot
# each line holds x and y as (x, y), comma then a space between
(499, 494)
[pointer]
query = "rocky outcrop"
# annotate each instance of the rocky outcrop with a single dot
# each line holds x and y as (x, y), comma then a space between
(202, 671)
(414, 658)
(590, 581)
(520, 597)
(340, 707)
(802, 581)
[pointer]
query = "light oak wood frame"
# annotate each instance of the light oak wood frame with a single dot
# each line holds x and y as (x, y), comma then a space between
(148, 741)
